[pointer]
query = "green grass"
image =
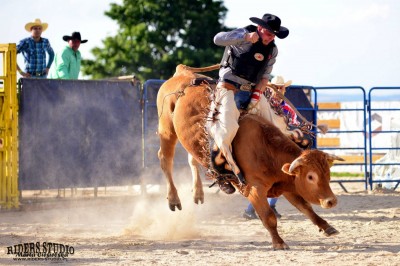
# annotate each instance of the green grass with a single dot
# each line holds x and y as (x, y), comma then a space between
(346, 174)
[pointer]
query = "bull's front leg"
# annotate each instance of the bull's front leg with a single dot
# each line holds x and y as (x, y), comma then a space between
(197, 189)
(258, 198)
(306, 208)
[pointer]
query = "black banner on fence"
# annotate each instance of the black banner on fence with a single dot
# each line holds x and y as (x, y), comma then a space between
(79, 134)
(299, 99)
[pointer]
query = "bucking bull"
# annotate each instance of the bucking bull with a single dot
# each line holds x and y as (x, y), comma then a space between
(272, 164)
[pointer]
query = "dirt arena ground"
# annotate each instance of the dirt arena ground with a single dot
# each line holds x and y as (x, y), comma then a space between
(129, 229)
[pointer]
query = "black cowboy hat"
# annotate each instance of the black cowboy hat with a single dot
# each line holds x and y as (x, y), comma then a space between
(74, 36)
(273, 24)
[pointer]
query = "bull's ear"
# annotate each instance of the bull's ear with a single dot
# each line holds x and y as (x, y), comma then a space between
(285, 169)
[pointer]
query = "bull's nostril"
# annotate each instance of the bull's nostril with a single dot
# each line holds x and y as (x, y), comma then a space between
(332, 203)
(329, 203)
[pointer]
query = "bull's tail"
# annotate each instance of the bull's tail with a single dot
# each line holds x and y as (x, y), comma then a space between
(198, 69)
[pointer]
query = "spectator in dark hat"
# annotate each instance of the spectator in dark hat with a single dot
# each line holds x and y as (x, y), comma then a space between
(34, 50)
(67, 63)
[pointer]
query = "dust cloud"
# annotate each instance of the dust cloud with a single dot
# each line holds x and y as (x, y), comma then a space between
(152, 218)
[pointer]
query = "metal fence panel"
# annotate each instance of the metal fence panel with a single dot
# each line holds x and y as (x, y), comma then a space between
(79, 133)
(9, 193)
(354, 151)
(384, 136)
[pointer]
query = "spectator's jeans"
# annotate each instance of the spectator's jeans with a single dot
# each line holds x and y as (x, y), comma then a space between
(271, 201)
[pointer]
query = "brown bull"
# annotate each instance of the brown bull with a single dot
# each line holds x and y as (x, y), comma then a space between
(271, 163)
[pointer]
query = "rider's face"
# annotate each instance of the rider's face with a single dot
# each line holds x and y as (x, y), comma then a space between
(265, 35)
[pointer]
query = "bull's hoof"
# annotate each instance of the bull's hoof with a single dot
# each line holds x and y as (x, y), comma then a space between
(280, 246)
(330, 231)
(198, 197)
(199, 200)
(172, 206)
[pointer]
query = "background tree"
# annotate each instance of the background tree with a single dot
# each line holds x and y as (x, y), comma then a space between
(156, 35)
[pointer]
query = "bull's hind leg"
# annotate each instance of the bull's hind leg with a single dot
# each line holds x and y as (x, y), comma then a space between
(306, 208)
(198, 193)
(166, 155)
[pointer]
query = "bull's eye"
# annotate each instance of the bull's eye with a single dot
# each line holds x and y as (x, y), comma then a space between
(311, 177)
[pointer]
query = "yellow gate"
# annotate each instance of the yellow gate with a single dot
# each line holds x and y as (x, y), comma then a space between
(9, 194)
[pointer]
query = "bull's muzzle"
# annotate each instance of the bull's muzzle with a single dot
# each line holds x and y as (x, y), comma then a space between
(328, 202)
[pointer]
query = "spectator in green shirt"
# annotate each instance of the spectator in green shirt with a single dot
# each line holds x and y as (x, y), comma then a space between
(67, 63)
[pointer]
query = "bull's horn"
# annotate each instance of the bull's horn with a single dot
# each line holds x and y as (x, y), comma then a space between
(299, 161)
(333, 157)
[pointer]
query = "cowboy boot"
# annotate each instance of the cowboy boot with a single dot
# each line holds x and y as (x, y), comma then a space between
(226, 187)
(218, 163)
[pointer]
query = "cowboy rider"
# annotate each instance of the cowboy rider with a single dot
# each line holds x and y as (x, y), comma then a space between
(249, 56)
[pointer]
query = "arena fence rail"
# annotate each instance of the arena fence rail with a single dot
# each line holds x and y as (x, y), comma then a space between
(347, 122)
(384, 136)
(9, 194)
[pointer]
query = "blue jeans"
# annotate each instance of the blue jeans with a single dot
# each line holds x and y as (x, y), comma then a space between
(271, 201)
(242, 99)
(40, 77)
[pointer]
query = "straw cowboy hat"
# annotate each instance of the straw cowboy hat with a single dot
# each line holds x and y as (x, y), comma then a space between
(273, 24)
(74, 36)
(37, 22)
(280, 81)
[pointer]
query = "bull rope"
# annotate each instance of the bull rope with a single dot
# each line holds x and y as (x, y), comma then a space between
(179, 93)
(194, 70)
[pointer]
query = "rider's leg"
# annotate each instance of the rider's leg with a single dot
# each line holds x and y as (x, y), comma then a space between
(225, 125)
